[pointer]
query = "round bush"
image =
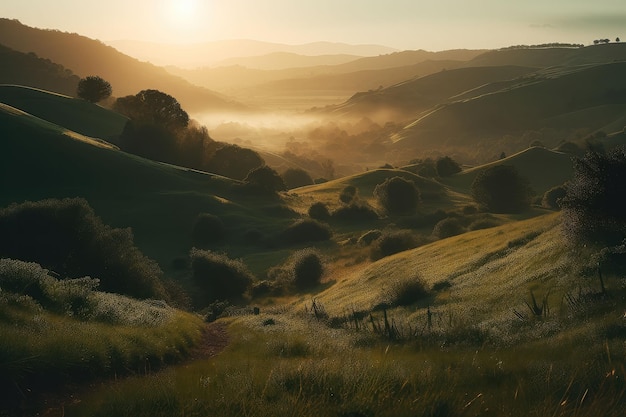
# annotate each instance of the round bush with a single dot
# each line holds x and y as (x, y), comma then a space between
(393, 242)
(447, 166)
(208, 229)
(308, 268)
(296, 177)
(406, 291)
(355, 212)
(319, 211)
(348, 194)
(448, 227)
(552, 198)
(306, 230)
(501, 189)
(220, 277)
(397, 196)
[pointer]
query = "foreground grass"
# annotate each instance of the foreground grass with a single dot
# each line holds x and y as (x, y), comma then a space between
(298, 367)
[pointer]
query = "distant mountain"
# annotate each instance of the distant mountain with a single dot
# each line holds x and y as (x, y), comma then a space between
(85, 56)
(285, 60)
(30, 70)
(211, 53)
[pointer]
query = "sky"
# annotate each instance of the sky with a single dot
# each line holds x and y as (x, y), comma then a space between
(403, 24)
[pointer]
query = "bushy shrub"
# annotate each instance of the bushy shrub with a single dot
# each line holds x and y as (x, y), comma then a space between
(208, 229)
(319, 211)
(447, 166)
(393, 242)
(355, 212)
(397, 196)
(308, 268)
(306, 230)
(448, 227)
(67, 237)
(296, 177)
(348, 194)
(265, 179)
(501, 189)
(484, 223)
(220, 277)
(233, 161)
(405, 291)
(552, 198)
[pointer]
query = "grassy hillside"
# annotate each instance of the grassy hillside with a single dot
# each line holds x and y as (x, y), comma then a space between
(30, 70)
(541, 100)
(75, 114)
(160, 202)
(85, 56)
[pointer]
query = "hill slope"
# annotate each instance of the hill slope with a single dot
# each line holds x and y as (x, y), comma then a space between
(86, 57)
(28, 69)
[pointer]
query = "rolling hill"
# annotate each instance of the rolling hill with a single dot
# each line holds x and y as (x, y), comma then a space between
(30, 70)
(85, 56)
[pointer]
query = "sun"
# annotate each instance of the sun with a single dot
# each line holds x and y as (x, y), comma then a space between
(180, 13)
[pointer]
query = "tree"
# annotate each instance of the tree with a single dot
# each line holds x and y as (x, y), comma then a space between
(501, 189)
(594, 207)
(296, 177)
(398, 196)
(93, 89)
(153, 107)
(447, 166)
(234, 162)
(266, 179)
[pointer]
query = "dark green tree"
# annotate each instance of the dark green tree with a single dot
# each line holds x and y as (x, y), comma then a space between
(266, 179)
(501, 189)
(296, 177)
(447, 166)
(93, 89)
(234, 162)
(153, 107)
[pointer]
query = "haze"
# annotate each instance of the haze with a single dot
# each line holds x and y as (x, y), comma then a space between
(401, 24)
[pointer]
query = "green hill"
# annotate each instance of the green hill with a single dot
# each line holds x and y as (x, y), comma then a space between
(558, 98)
(39, 160)
(74, 114)
(30, 70)
(85, 56)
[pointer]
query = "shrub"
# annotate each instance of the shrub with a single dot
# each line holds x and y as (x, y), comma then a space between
(265, 179)
(319, 211)
(296, 177)
(220, 277)
(393, 242)
(448, 227)
(447, 166)
(484, 223)
(501, 189)
(348, 194)
(67, 237)
(397, 196)
(235, 162)
(308, 268)
(552, 198)
(406, 291)
(208, 229)
(355, 212)
(306, 230)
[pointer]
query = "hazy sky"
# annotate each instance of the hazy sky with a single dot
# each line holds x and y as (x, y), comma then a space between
(404, 24)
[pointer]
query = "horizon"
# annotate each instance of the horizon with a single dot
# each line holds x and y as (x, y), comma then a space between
(402, 25)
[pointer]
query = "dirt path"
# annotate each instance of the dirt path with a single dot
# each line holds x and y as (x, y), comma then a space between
(214, 340)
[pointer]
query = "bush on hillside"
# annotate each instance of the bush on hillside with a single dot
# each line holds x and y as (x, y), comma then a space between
(447, 166)
(306, 230)
(236, 162)
(594, 207)
(308, 268)
(393, 242)
(405, 291)
(319, 211)
(153, 107)
(355, 212)
(348, 194)
(67, 237)
(552, 198)
(296, 177)
(207, 230)
(448, 227)
(265, 179)
(501, 189)
(219, 277)
(397, 196)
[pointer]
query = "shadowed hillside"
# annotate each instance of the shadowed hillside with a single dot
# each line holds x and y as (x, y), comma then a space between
(86, 56)
(75, 114)
(29, 69)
